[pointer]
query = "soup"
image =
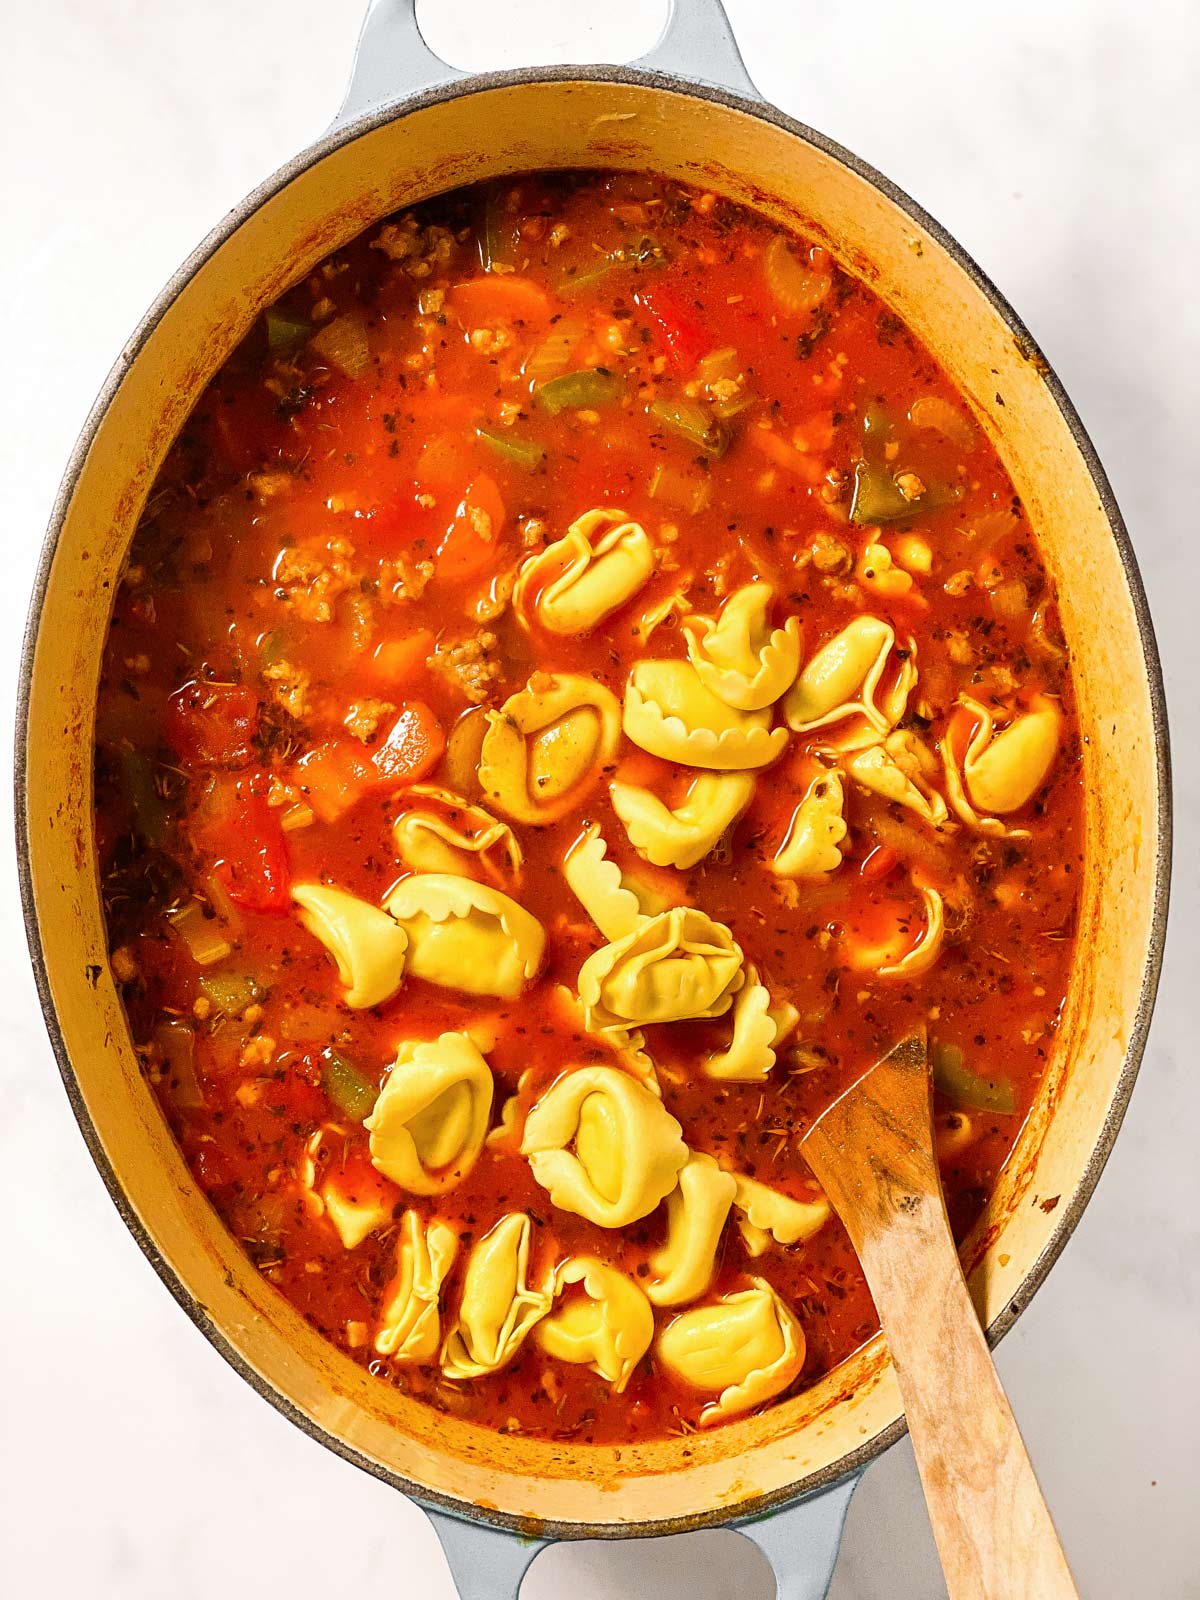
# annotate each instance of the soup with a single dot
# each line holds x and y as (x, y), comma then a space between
(583, 688)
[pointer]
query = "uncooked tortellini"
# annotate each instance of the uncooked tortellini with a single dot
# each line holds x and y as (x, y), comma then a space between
(746, 1348)
(446, 833)
(676, 965)
(547, 745)
(758, 1026)
(811, 847)
(842, 682)
(498, 1307)
(696, 1213)
(740, 657)
(432, 1115)
(466, 935)
(410, 1326)
(901, 769)
(670, 713)
(1002, 771)
(573, 584)
(778, 1215)
(616, 902)
(602, 1146)
(680, 838)
(369, 948)
(609, 1325)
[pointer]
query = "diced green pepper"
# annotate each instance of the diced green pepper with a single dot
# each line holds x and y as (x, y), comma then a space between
(579, 391)
(347, 1088)
(137, 782)
(495, 241)
(953, 1078)
(524, 453)
(676, 488)
(286, 331)
(877, 497)
(694, 423)
(230, 992)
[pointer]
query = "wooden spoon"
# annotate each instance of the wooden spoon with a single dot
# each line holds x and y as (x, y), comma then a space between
(873, 1153)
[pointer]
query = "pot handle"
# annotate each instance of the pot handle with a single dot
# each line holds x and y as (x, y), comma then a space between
(801, 1543)
(393, 61)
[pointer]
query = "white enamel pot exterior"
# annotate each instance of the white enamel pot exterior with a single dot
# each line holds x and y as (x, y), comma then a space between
(413, 127)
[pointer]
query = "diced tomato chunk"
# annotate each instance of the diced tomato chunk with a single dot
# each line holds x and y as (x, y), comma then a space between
(679, 329)
(470, 541)
(212, 723)
(253, 864)
(414, 746)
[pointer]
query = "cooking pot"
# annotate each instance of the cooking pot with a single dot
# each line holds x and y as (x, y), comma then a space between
(411, 127)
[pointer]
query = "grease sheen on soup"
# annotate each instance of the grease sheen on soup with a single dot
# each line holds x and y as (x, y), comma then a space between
(582, 689)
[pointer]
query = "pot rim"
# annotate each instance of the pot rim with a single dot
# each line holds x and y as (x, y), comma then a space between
(343, 133)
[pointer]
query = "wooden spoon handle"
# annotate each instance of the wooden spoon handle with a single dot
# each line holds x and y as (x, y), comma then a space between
(872, 1151)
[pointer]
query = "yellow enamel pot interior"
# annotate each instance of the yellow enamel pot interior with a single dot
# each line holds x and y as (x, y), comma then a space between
(485, 128)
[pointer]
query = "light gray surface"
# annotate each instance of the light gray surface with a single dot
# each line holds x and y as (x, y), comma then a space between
(1058, 140)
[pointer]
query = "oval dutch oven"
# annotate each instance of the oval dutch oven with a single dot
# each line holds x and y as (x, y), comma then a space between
(410, 128)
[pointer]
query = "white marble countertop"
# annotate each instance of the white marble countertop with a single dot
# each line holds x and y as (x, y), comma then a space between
(1060, 143)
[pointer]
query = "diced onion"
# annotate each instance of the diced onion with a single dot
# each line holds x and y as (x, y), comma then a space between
(201, 933)
(1010, 599)
(177, 1042)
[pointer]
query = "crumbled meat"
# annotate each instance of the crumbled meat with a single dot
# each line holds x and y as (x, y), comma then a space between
(831, 554)
(310, 577)
(401, 580)
(267, 485)
(469, 665)
(958, 582)
(909, 485)
(258, 1052)
(289, 686)
(417, 250)
(959, 647)
(533, 533)
(490, 341)
(364, 716)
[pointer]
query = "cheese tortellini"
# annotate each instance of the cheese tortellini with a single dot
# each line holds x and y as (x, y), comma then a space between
(676, 965)
(746, 1348)
(883, 958)
(696, 1213)
(616, 902)
(811, 847)
(670, 713)
(901, 769)
(432, 1115)
(547, 745)
(778, 1215)
(602, 1146)
(740, 658)
(602, 561)
(759, 1024)
(608, 1326)
(410, 1324)
(841, 683)
(466, 935)
(1001, 772)
(498, 1309)
(369, 948)
(447, 834)
(682, 837)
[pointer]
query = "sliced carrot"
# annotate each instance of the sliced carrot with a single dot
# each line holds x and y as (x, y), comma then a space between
(414, 746)
(471, 539)
(397, 660)
(784, 454)
(333, 777)
(960, 730)
(499, 297)
(879, 864)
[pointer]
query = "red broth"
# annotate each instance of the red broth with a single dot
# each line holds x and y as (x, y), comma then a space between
(320, 595)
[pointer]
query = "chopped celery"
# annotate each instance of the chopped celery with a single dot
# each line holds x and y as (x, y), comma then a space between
(953, 1078)
(644, 253)
(230, 992)
(201, 932)
(496, 242)
(578, 391)
(347, 1088)
(553, 355)
(286, 331)
(343, 344)
(525, 453)
(677, 489)
(694, 423)
(137, 783)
